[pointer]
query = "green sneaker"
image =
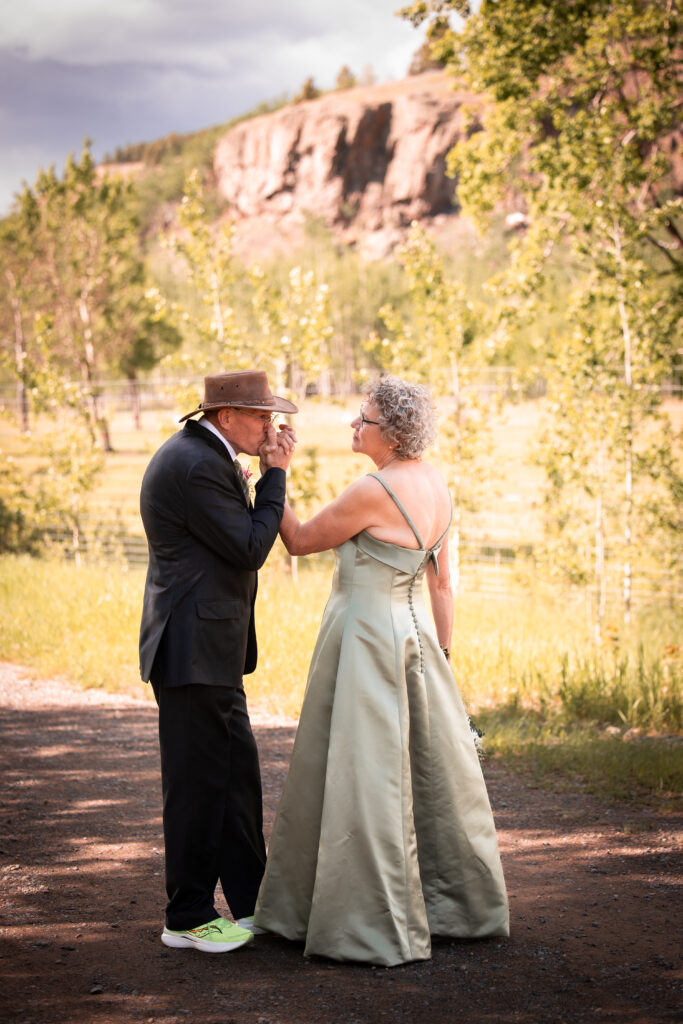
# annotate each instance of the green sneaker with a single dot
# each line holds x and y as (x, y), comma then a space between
(219, 936)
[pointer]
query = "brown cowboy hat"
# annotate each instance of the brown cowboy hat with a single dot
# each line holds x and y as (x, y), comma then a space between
(244, 388)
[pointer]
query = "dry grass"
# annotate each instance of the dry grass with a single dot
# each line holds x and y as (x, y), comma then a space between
(509, 511)
(528, 672)
(514, 484)
(526, 663)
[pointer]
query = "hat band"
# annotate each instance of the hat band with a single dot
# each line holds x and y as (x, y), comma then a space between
(237, 401)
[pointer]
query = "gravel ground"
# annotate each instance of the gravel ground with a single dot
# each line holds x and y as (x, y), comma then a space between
(594, 893)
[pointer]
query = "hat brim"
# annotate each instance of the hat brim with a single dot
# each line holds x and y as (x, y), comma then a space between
(276, 404)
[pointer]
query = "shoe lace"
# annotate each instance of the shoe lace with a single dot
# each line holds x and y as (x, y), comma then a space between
(204, 929)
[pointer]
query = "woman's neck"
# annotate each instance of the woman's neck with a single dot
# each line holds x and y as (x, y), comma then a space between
(390, 458)
(382, 461)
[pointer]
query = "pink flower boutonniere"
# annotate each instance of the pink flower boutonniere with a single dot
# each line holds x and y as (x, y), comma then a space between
(247, 476)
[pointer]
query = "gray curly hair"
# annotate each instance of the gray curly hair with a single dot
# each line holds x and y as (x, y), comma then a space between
(407, 415)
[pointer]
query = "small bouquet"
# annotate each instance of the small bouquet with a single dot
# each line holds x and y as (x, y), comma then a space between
(476, 736)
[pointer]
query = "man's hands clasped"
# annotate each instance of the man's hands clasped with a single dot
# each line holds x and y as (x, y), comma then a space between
(277, 448)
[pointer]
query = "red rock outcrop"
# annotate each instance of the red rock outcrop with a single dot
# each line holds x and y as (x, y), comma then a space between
(366, 161)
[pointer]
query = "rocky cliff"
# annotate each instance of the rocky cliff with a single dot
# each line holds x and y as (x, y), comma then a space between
(366, 161)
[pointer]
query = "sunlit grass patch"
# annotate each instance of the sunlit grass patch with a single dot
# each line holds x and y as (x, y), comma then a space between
(77, 623)
(612, 764)
(288, 616)
(537, 655)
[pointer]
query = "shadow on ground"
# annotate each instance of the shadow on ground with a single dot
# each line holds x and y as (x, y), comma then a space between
(593, 893)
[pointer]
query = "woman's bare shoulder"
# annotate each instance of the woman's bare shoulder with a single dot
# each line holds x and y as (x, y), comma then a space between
(364, 493)
(422, 490)
(365, 485)
(414, 474)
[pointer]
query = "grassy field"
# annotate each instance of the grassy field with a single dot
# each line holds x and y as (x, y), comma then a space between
(509, 512)
(545, 695)
(514, 482)
(547, 700)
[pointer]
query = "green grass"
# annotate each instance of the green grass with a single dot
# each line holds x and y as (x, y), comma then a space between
(547, 700)
(76, 623)
(642, 769)
(535, 653)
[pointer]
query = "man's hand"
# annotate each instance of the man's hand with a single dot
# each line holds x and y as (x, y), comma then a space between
(277, 448)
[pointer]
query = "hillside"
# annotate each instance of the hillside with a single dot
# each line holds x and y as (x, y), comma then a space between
(364, 161)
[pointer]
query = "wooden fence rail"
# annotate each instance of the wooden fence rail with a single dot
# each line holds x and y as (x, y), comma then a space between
(484, 569)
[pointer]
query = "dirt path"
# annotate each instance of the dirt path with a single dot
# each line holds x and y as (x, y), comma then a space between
(594, 893)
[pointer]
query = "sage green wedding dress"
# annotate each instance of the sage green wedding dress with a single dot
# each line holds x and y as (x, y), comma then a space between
(384, 835)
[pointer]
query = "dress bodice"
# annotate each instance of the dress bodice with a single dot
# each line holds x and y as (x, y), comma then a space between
(411, 561)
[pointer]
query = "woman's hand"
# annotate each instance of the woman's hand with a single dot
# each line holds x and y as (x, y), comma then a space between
(286, 437)
(277, 448)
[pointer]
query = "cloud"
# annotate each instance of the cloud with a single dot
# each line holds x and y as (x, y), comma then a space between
(206, 31)
(139, 69)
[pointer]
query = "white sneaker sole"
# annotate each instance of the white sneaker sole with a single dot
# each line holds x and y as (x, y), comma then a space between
(250, 926)
(190, 942)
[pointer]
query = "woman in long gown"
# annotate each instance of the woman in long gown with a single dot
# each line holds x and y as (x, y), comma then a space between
(384, 835)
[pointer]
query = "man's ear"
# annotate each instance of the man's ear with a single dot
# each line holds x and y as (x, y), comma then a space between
(223, 417)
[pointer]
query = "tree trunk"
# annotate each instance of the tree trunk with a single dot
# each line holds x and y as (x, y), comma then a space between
(454, 555)
(628, 454)
(455, 535)
(628, 515)
(99, 419)
(599, 569)
(19, 354)
(134, 391)
(292, 560)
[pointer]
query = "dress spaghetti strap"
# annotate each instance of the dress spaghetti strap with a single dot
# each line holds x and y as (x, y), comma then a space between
(401, 509)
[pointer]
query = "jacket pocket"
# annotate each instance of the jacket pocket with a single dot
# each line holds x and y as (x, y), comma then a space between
(220, 609)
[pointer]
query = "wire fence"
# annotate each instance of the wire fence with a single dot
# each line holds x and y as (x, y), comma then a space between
(489, 570)
(489, 383)
(493, 558)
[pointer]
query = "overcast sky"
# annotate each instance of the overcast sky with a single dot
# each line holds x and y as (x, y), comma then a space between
(124, 71)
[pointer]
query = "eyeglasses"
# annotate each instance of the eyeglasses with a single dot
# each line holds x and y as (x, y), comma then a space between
(375, 423)
(265, 417)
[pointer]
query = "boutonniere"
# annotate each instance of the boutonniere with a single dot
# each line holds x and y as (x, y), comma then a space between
(247, 476)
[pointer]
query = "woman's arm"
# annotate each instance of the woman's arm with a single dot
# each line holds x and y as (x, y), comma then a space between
(441, 596)
(354, 510)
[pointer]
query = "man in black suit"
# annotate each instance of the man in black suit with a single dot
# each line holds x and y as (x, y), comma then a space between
(206, 542)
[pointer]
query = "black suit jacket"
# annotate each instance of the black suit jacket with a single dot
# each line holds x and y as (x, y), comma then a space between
(205, 547)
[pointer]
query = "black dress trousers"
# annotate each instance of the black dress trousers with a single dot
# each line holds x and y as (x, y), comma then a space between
(212, 807)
